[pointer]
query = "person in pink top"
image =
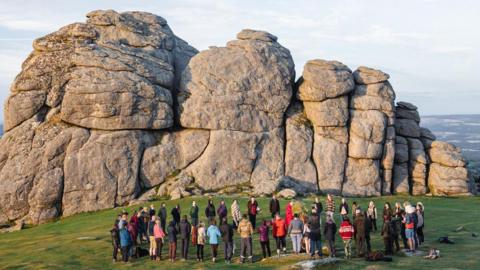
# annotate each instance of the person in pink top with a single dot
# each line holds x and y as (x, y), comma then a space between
(159, 234)
(289, 213)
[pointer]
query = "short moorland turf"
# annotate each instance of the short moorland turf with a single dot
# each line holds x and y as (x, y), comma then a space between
(56, 245)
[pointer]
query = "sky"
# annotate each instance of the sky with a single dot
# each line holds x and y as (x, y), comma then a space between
(429, 47)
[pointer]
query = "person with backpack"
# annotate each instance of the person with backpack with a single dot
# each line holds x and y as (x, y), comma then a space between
(295, 230)
(176, 212)
(227, 237)
(222, 212)
(372, 215)
(213, 234)
(279, 232)
(274, 206)
(210, 211)
(343, 209)
(194, 214)
(330, 230)
(410, 228)
(151, 237)
(159, 235)
(387, 236)
(201, 240)
(162, 214)
(114, 232)
(245, 229)
(346, 232)
(185, 231)
(263, 230)
(252, 207)
(236, 214)
(315, 235)
(172, 240)
(359, 233)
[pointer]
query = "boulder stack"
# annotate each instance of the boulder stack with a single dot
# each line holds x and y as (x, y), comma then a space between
(118, 109)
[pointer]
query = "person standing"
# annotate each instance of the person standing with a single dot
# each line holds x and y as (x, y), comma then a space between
(176, 215)
(139, 223)
(289, 213)
(263, 230)
(274, 206)
(421, 223)
(115, 240)
(146, 219)
(151, 237)
(213, 234)
(315, 235)
(346, 232)
(330, 230)
(125, 240)
(132, 230)
(295, 230)
(172, 240)
(222, 212)
(194, 214)
(368, 230)
(245, 229)
(400, 216)
(410, 227)
(210, 211)
(319, 208)
(359, 234)
(372, 215)
(395, 225)
(343, 209)
(387, 236)
(236, 214)
(330, 204)
(185, 230)
(151, 211)
(306, 232)
(354, 209)
(201, 239)
(252, 207)
(227, 238)
(159, 235)
(162, 213)
(279, 232)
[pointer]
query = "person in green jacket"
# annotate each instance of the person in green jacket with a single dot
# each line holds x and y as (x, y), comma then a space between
(194, 214)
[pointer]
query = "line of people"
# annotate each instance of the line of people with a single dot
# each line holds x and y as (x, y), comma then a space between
(305, 230)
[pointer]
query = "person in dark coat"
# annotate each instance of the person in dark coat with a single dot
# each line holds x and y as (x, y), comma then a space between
(263, 230)
(227, 237)
(162, 213)
(359, 233)
(172, 240)
(315, 235)
(222, 212)
(210, 211)
(396, 224)
(387, 236)
(194, 214)
(185, 230)
(274, 206)
(151, 211)
(115, 240)
(319, 207)
(252, 207)
(343, 209)
(368, 230)
(329, 231)
(176, 215)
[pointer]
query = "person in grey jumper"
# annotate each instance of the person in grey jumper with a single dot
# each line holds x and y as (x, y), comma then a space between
(295, 230)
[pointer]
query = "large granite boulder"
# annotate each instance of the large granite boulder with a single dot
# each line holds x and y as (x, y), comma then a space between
(245, 86)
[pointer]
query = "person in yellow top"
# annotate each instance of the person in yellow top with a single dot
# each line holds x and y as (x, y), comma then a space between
(245, 229)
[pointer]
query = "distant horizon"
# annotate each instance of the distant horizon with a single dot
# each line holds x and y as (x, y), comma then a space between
(431, 60)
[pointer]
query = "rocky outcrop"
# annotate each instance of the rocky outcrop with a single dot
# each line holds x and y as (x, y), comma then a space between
(371, 147)
(118, 110)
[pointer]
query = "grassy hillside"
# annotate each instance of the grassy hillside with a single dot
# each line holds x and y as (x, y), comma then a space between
(56, 245)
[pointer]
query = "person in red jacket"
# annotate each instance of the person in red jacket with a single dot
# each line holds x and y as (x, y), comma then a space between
(346, 232)
(279, 232)
(289, 213)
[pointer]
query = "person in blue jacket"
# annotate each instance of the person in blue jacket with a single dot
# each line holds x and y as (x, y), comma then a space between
(125, 240)
(214, 235)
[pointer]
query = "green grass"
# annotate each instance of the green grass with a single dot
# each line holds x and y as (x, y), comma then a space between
(55, 245)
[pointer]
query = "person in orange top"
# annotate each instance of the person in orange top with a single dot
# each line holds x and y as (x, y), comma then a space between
(289, 213)
(279, 231)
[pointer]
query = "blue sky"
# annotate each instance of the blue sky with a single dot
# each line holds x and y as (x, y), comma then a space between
(429, 47)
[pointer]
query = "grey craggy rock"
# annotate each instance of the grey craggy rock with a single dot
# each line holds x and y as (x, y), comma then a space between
(245, 86)
(362, 178)
(400, 170)
(175, 151)
(366, 75)
(299, 146)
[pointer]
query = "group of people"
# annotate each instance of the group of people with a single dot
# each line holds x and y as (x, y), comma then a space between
(303, 227)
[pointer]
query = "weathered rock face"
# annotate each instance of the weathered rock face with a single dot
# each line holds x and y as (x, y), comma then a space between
(118, 109)
(245, 86)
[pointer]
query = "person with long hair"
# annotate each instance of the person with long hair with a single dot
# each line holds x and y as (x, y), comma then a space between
(420, 223)
(372, 215)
